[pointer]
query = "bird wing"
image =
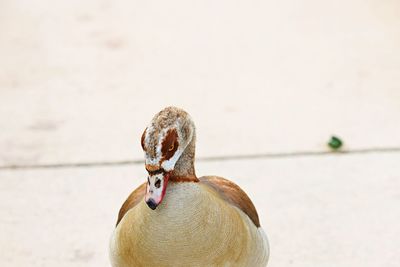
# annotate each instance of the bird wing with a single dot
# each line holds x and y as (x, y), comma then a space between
(233, 194)
(134, 198)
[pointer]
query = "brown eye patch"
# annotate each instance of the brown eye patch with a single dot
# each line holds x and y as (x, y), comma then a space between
(142, 140)
(170, 144)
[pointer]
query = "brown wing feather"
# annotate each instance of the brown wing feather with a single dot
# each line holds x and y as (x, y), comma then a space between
(233, 194)
(134, 198)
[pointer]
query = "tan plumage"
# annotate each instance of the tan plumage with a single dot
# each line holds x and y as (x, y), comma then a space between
(208, 221)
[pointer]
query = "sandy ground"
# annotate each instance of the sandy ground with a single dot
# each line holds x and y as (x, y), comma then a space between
(267, 83)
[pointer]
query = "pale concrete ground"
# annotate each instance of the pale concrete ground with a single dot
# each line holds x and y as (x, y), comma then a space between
(317, 211)
(79, 80)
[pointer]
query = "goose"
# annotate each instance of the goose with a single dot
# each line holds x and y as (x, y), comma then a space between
(178, 219)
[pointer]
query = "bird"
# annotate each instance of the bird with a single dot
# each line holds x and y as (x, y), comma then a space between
(178, 219)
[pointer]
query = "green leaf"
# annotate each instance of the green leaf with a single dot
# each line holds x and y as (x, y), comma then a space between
(335, 143)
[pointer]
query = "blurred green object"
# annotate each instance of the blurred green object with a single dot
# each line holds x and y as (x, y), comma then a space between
(335, 143)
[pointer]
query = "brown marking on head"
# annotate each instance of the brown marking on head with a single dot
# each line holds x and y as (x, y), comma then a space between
(142, 140)
(152, 168)
(169, 145)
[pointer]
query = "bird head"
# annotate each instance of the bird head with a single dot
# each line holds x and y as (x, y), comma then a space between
(164, 142)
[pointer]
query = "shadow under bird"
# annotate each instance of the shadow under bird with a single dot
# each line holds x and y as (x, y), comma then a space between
(177, 219)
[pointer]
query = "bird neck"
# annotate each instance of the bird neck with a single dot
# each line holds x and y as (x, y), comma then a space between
(184, 167)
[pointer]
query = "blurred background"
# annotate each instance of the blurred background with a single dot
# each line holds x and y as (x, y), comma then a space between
(267, 84)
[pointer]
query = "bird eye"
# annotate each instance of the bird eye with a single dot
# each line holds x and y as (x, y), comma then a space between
(171, 147)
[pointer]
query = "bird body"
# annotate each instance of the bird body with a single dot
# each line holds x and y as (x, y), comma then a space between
(189, 221)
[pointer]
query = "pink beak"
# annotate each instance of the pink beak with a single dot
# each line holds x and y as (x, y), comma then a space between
(155, 189)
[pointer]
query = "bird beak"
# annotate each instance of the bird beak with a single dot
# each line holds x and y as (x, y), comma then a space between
(156, 188)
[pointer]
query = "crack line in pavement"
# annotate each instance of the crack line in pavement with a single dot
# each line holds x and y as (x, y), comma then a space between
(206, 159)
